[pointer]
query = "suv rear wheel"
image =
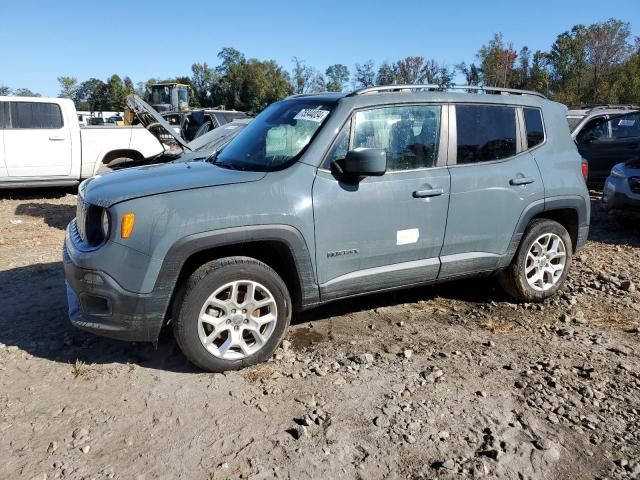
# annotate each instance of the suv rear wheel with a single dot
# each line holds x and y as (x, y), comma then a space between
(234, 313)
(541, 263)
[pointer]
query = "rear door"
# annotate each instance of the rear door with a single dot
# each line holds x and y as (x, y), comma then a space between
(493, 179)
(37, 142)
(386, 231)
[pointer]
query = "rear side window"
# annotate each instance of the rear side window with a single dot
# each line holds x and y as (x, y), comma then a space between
(485, 133)
(35, 115)
(535, 128)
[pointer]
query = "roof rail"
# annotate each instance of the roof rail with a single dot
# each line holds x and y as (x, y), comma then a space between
(310, 94)
(394, 88)
(612, 106)
(496, 90)
(433, 87)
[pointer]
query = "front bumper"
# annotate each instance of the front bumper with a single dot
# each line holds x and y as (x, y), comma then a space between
(618, 196)
(98, 304)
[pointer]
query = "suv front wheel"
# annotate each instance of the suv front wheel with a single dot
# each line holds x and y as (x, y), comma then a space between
(541, 263)
(234, 313)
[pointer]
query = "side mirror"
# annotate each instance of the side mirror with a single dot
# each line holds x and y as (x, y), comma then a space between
(364, 162)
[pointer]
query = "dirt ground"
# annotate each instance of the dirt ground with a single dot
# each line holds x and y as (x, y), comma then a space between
(440, 382)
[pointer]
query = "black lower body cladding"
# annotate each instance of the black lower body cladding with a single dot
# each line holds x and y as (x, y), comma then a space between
(98, 304)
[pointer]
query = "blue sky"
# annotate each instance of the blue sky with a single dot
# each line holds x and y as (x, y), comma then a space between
(42, 40)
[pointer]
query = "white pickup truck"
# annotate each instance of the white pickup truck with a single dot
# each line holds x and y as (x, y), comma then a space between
(42, 143)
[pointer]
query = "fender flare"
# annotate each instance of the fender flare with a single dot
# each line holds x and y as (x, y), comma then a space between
(572, 202)
(290, 237)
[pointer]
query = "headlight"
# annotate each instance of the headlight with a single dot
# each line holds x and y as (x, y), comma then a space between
(105, 223)
(618, 173)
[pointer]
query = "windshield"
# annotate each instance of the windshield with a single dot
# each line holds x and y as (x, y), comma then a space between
(573, 122)
(160, 95)
(276, 137)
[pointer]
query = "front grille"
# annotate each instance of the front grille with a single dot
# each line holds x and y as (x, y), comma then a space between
(82, 211)
(634, 184)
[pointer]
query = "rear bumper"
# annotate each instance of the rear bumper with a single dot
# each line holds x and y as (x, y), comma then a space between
(98, 304)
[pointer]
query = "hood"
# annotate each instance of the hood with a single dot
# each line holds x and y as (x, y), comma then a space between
(128, 184)
(153, 121)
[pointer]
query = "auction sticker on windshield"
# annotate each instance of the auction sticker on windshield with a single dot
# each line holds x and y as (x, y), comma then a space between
(311, 114)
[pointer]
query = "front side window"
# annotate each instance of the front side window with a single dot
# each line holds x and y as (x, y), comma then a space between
(277, 137)
(340, 146)
(485, 133)
(35, 115)
(626, 126)
(409, 134)
(535, 129)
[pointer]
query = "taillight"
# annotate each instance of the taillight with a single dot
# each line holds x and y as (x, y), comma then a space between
(585, 169)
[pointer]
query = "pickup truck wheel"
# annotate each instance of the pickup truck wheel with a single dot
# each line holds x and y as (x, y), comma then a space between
(234, 313)
(541, 263)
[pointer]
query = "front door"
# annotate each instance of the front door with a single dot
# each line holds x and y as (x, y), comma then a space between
(607, 141)
(383, 232)
(37, 143)
(493, 179)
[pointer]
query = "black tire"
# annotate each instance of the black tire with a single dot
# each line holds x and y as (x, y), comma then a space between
(201, 284)
(114, 164)
(513, 279)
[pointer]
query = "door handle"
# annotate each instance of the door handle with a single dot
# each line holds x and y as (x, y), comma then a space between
(521, 181)
(56, 139)
(431, 192)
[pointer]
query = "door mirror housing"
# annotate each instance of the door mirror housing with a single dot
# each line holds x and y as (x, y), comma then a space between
(364, 162)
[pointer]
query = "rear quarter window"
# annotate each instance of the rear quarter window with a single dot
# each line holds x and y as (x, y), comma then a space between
(534, 125)
(485, 133)
(36, 115)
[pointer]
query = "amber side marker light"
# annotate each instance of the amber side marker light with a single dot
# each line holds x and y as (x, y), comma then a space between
(126, 224)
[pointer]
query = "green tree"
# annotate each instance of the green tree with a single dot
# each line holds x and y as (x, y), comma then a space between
(364, 75)
(626, 87)
(248, 84)
(386, 74)
(301, 76)
(471, 73)
(4, 91)
(90, 95)
(318, 84)
(568, 66)
(607, 49)
(203, 79)
(337, 77)
(129, 88)
(25, 92)
(68, 86)
(497, 60)
(116, 93)
(410, 70)
(585, 63)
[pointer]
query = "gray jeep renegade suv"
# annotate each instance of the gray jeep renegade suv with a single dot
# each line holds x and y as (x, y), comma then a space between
(325, 197)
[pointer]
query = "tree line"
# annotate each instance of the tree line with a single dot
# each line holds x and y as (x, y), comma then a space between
(588, 64)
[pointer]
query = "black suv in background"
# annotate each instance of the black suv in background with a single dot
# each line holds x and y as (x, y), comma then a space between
(607, 135)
